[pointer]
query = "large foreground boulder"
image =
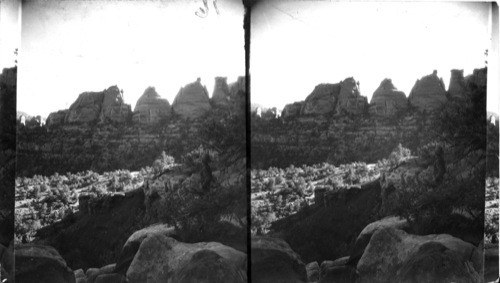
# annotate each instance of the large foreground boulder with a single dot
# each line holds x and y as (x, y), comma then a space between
(43, 264)
(160, 258)
(192, 101)
(428, 93)
(151, 108)
(274, 261)
(392, 252)
(387, 100)
(313, 271)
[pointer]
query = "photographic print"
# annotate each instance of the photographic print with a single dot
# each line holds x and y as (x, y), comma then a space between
(371, 144)
(131, 142)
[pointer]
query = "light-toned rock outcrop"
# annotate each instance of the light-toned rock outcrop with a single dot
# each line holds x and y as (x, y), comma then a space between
(192, 101)
(387, 100)
(322, 100)
(392, 252)
(86, 108)
(350, 100)
(428, 93)
(113, 107)
(151, 108)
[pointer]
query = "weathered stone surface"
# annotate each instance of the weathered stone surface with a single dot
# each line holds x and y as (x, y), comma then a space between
(343, 274)
(387, 100)
(292, 110)
(328, 265)
(86, 108)
(220, 96)
(350, 100)
(274, 261)
(113, 107)
(312, 269)
(434, 262)
(237, 87)
(457, 88)
(37, 263)
(160, 257)
(133, 243)
(192, 101)
(208, 266)
(110, 278)
(56, 118)
(428, 93)
(365, 235)
(322, 100)
(491, 263)
(93, 273)
(151, 108)
(390, 248)
(478, 79)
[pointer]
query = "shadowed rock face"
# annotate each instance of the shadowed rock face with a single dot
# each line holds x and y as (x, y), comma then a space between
(151, 108)
(56, 118)
(478, 78)
(387, 100)
(220, 95)
(292, 110)
(86, 108)
(322, 100)
(192, 101)
(428, 93)
(113, 106)
(350, 100)
(457, 84)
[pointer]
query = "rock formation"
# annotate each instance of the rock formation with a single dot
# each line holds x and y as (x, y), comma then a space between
(387, 100)
(292, 110)
(322, 100)
(457, 86)
(151, 108)
(428, 93)
(113, 107)
(220, 96)
(56, 118)
(477, 79)
(192, 101)
(350, 100)
(237, 87)
(86, 108)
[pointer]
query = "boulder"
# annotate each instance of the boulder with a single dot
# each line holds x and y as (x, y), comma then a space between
(457, 87)
(341, 274)
(208, 266)
(387, 100)
(292, 110)
(86, 108)
(151, 108)
(160, 257)
(350, 100)
(93, 273)
(365, 235)
(38, 263)
(113, 107)
(274, 261)
(328, 265)
(322, 100)
(192, 101)
(220, 96)
(312, 270)
(56, 118)
(428, 93)
(434, 262)
(133, 243)
(390, 249)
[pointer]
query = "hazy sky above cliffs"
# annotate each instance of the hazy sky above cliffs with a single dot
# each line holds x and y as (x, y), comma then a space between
(9, 31)
(68, 47)
(296, 45)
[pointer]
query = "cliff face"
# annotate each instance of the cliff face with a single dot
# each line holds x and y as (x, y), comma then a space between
(322, 100)
(387, 100)
(350, 100)
(113, 107)
(151, 108)
(428, 93)
(220, 95)
(457, 86)
(192, 101)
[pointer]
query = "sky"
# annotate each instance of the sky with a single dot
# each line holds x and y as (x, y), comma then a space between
(296, 45)
(69, 47)
(9, 31)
